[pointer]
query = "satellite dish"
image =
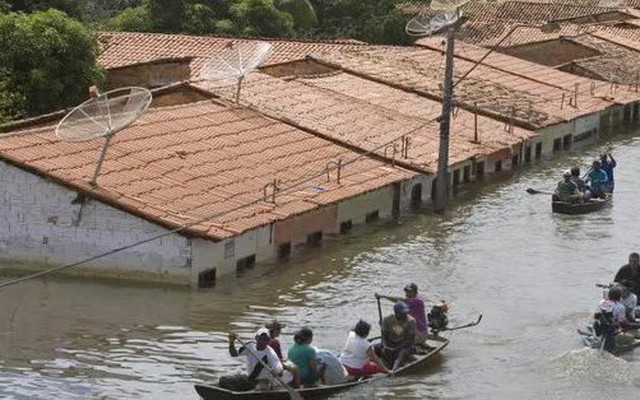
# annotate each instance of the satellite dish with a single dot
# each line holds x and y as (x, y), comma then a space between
(610, 3)
(447, 5)
(423, 25)
(236, 61)
(102, 116)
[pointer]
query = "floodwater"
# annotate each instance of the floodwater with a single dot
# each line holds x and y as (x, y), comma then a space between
(499, 251)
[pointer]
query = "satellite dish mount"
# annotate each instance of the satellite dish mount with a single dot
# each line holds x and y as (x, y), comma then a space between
(103, 115)
(236, 61)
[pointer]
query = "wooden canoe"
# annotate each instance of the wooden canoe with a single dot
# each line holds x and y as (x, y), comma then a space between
(588, 206)
(212, 392)
(595, 342)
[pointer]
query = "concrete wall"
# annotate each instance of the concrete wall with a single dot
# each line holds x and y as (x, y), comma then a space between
(551, 53)
(407, 187)
(224, 255)
(40, 227)
(150, 75)
(356, 208)
(177, 97)
(296, 229)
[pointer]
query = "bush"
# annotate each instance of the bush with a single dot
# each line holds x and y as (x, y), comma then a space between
(48, 62)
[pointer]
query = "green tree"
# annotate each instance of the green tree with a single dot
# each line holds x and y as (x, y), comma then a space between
(73, 8)
(134, 19)
(167, 15)
(261, 18)
(374, 21)
(48, 61)
(199, 19)
(304, 16)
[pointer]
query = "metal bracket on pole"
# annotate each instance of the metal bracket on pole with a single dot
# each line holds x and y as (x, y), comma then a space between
(338, 166)
(274, 189)
(404, 148)
(393, 155)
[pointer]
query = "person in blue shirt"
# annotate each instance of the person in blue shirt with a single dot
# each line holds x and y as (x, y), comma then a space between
(597, 180)
(304, 356)
(608, 163)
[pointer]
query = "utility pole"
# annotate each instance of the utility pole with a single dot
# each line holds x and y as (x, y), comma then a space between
(442, 177)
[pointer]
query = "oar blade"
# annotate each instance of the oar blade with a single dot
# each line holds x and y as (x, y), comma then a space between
(532, 191)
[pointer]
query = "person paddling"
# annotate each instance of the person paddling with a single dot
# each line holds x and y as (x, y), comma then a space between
(416, 309)
(255, 370)
(608, 163)
(629, 274)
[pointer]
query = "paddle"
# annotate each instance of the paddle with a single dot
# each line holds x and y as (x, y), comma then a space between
(469, 325)
(292, 392)
(536, 191)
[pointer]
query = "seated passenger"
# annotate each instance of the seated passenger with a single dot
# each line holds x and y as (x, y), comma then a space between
(566, 190)
(304, 356)
(579, 182)
(398, 336)
(334, 372)
(597, 180)
(358, 356)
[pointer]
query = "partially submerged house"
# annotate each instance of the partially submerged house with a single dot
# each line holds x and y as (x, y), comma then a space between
(395, 125)
(217, 187)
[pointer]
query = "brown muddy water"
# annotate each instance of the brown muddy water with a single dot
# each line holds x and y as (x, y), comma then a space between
(498, 251)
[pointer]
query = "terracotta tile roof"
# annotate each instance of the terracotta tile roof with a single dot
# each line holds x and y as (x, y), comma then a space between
(121, 49)
(492, 33)
(179, 165)
(364, 114)
(549, 76)
(618, 63)
(523, 11)
(496, 92)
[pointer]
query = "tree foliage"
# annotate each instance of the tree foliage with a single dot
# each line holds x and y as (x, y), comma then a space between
(73, 8)
(48, 61)
(261, 18)
(134, 19)
(167, 15)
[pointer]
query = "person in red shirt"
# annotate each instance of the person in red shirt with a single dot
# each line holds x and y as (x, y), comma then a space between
(275, 328)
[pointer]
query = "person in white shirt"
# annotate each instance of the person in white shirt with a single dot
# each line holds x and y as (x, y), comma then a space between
(358, 356)
(256, 372)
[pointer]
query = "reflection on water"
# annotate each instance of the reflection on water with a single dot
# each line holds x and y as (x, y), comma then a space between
(498, 251)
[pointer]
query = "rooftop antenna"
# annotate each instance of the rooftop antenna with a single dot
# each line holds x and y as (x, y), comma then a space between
(425, 24)
(447, 5)
(236, 61)
(103, 115)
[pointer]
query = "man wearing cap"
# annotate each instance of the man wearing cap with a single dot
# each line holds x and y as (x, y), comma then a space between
(398, 336)
(256, 372)
(567, 190)
(416, 309)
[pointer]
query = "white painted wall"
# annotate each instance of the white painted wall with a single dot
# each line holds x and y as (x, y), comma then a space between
(356, 208)
(223, 255)
(37, 227)
(407, 187)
